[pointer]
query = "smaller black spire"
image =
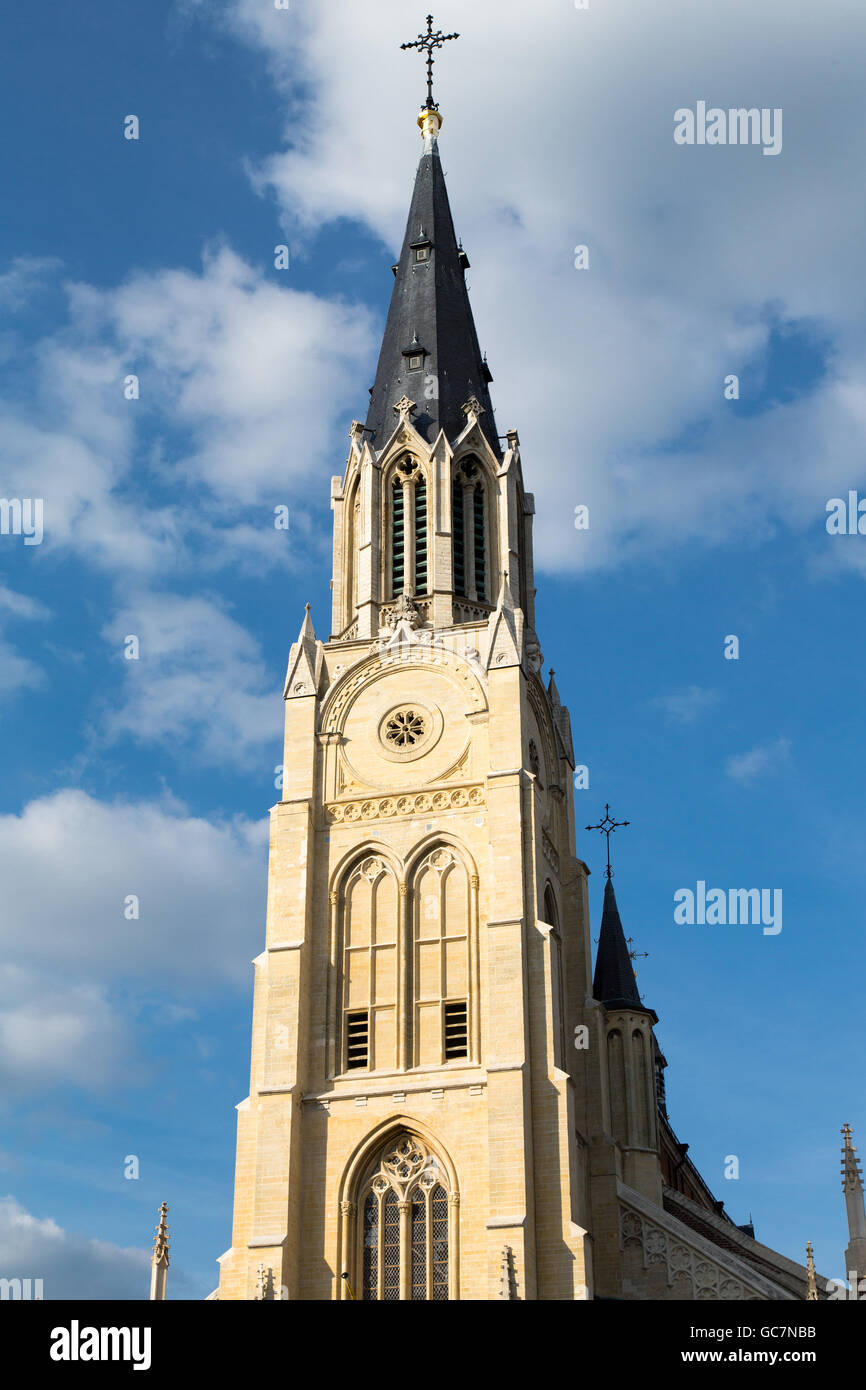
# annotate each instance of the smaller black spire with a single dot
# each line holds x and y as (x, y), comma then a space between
(614, 984)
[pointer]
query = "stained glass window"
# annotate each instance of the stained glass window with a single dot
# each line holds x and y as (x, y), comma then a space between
(405, 1254)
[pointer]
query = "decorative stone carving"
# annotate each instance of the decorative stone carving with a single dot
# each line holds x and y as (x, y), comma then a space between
(683, 1264)
(533, 655)
(407, 1165)
(388, 806)
(404, 407)
(405, 609)
(372, 868)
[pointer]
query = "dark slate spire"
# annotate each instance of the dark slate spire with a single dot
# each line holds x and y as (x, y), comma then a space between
(614, 983)
(430, 318)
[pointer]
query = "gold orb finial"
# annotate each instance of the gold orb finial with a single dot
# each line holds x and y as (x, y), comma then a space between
(430, 121)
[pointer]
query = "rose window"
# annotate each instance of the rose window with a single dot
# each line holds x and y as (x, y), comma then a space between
(405, 728)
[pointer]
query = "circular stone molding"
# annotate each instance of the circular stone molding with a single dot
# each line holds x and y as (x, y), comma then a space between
(409, 730)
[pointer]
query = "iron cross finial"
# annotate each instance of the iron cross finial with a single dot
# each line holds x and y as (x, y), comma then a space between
(607, 826)
(429, 42)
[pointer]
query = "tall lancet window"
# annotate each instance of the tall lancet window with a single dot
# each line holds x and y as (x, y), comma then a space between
(405, 1211)
(470, 527)
(352, 551)
(409, 570)
(370, 909)
(441, 913)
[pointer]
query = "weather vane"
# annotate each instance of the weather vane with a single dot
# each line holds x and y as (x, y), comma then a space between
(607, 827)
(429, 42)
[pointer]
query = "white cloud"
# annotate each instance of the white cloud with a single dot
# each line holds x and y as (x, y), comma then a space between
(256, 369)
(69, 861)
(70, 1265)
(687, 706)
(241, 382)
(200, 679)
(74, 966)
(57, 1031)
(25, 276)
(17, 672)
(761, 761)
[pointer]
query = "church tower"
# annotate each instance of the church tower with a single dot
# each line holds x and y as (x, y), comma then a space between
(411, 1131)
(444, 1102)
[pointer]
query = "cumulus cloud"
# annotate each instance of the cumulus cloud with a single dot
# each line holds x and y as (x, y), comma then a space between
(74, 963)
(69, 861)
(761, 761)
(241, 381)
(57, 1031)
(258, 371)
(200, 679)
(72, 1265)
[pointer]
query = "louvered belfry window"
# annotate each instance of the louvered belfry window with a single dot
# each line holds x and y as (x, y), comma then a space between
(405, 1235)
(398, 540)
(409, 530)
(479, 541)
(469, 531)
(420, 536)
(458, 539)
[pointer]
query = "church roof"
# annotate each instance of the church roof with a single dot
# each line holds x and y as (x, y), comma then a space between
(614, 983)
(430, 316)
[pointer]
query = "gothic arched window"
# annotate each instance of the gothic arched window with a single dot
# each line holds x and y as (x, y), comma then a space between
(405, 1226)
(408, 538)
(469, 531)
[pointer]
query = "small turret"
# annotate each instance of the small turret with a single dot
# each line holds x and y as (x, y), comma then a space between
(160, 1261)
(852, 1186)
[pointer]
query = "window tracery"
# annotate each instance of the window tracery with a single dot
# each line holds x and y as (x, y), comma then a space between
(405, 1227)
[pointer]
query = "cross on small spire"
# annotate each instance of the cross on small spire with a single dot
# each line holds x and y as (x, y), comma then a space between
(607, 826)
(428, 43)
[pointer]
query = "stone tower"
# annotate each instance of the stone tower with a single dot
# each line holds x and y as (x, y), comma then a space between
(412, 1125)
(444, 1102)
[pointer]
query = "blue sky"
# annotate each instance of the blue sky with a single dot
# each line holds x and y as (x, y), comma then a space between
(707, 517)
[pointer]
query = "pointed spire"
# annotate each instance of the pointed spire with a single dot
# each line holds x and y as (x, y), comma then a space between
(504, 631)
(852, 1186)
(811, 1278)
(614, 984)
(160, 1259)
(307, 632)
(430, 352)
(305, 661)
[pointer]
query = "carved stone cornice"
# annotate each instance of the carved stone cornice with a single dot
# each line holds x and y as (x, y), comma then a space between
(386, 807)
